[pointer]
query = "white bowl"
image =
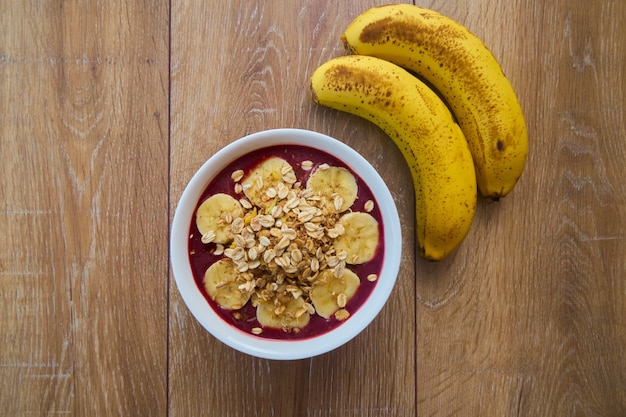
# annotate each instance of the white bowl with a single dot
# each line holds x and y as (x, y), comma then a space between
(284, 348)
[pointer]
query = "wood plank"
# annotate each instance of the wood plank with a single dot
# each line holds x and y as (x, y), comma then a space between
(83, 278)
(244, 67)
(529, 316)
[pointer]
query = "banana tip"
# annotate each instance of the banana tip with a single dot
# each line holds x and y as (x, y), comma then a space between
(313, 94)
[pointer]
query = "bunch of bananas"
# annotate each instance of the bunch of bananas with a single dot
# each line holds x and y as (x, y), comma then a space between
(461, 129)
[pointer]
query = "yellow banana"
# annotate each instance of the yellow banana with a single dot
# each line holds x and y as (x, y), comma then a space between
(359, 240)
(466, 74)
(337, 185)
(423, 128)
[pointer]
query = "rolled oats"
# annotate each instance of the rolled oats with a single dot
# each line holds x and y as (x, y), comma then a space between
(237, 225)
(342, 314)
(332, 261)
(290, 269)
(252, 254)
(291, 203)
(311, 227)
(269, 255)
(237, 175)
(291, 288)
(281, 261)
(289, 176)
(282, 250)
(339, 269)
(255, 224)
(247, 286)
(337, 202)
(240, 241)
(309, 194)
(289, 233)
(208, 237)
(283, 191)
(305, 216)
(283, 243)
(296, 255)
(309, 308)
(307, 273)
(266, 220)
(271, 193)
(342, 300)
(333, 233)
(237, 253)
(315, 265)
(276, 211)
(245, 203)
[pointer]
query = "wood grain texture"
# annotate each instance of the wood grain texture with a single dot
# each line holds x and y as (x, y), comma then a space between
(241, 68)
(529, 314)
(84, 208)
(108, 108)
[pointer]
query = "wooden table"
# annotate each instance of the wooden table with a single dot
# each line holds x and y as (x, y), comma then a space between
(108, 108)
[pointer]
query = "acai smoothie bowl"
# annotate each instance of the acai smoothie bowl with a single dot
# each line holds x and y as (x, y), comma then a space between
(285, 244)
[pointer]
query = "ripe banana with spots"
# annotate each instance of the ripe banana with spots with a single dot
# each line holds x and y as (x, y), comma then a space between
(423, 129)
(465, 73)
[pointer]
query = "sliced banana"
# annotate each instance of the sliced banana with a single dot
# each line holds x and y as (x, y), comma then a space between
(331, 293)
(260, 185)
(336, 184)
(222, 284)
(214, 218)
(291, 315)
(360, 237)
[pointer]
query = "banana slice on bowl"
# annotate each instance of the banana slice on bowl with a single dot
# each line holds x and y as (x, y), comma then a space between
(360, 238)
(331, 293)
(222, 284)
(214, 218)
(291, 315)
(336, 184)
(260, 185)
